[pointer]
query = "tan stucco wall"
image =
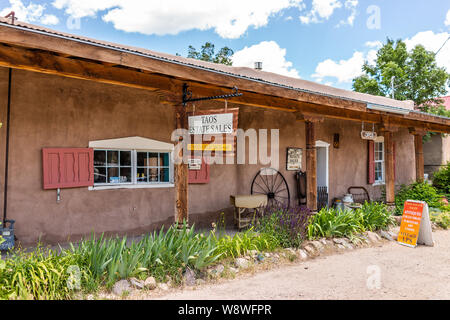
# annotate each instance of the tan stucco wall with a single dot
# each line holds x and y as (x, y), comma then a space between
(436, 152)
(51, 111)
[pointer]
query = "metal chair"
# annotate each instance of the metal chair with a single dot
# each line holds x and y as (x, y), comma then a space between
(360, 194)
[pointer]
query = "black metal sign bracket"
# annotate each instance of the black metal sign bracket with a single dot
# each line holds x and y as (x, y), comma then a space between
(187, 95)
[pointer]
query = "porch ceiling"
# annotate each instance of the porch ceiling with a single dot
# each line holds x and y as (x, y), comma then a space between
(45, 53)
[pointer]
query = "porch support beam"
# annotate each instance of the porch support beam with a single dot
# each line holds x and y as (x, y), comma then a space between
(311, 162)
(181, 173)
(418, 148)
(389, 167)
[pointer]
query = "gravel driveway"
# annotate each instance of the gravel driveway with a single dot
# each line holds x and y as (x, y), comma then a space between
(388, 272)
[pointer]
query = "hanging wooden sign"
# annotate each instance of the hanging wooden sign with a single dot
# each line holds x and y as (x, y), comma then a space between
(415, 227)
(368, 135)
(213, 131)
(211, 124)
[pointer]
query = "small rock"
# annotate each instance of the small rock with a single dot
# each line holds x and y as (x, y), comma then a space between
(338, 240)
(291, 251)
(189, 277)
(318, 245)
(302, 254)
(310, 249)
(253, 253)
(120, 287)
(398, 220)
(373, 237)
(323, 241)
(267, 254)
(200, 282)
(163, 286)
(233, 270)
(242, 263)
(386, 235)
(259, 257)
(150, 283)
(219, 269)
(340, 246)
(136, 283)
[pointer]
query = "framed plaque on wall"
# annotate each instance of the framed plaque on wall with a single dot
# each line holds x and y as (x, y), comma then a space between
(294, 159)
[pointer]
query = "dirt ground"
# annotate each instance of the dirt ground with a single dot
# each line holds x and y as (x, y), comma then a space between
(391, 271)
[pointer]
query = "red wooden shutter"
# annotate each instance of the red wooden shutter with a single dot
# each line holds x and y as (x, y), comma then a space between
(200, 176)
(67, 167)
(371, 162)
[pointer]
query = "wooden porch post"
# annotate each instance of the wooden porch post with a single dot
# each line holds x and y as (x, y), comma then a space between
(418, 148)
(389, 167)
(181, 174)
(311, 165)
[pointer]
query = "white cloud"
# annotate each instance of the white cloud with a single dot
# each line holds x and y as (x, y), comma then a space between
(270, 54)
(349, 5)
(374, 44)
(433, 42)
(29, 13)
(344, 70)
(230, 19)
(447, 20)
(49, 19)
(321, 10)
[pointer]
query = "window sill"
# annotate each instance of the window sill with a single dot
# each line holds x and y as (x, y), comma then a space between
(133, 186)
(379, 184)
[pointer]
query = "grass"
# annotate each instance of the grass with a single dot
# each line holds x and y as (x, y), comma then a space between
(99, 262)
(331, 222)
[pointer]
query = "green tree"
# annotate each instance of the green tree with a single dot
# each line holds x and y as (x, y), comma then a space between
(417, 76)
(207, 53)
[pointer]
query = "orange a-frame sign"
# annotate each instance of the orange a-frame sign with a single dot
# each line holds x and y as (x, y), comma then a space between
(415, 227)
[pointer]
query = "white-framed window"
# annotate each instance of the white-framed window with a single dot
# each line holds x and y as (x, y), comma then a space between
(131, 167)
(379, 161)
(132, 162)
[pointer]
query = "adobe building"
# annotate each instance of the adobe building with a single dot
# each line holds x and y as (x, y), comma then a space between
(437, 149)
(87, 136)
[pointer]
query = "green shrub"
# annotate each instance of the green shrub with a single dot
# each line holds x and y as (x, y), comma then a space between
(159, 254)
(241, 243)
(441, 180)
(287, 225)
(441, 218)
(330, 222)
(375, 216)
(42, 274)
(421, 191)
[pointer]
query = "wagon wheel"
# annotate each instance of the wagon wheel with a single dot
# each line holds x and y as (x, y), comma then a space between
(271, 182)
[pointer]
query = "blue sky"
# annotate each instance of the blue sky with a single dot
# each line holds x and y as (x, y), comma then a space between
(319, 40)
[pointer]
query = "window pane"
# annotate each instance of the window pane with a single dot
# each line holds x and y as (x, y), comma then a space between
(99, 175)
(164, 159)
(113, 158)
(152, 160)
(125, 158)
(153, 175)
(164, 175)
(142, 175)
(99, 158)
(125, 175)
(113, 175)
(140, 161)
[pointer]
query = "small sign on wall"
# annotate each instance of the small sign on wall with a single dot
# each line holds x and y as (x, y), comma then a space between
(195, 164)
(294, 159)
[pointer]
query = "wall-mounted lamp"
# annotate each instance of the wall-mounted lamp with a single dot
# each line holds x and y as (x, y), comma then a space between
(336, 140)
